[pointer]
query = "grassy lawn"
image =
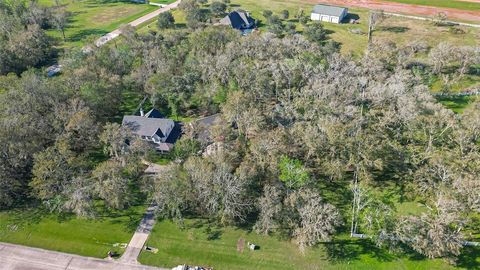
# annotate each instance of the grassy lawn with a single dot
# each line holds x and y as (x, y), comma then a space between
(468, 81)
(164, 2)
(456, 104)
(97, 17)
(217, 248)
(32, 227)
(456, 4)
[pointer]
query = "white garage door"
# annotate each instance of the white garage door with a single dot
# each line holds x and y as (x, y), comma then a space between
(325, 18)
(315, 17)
(335, 19)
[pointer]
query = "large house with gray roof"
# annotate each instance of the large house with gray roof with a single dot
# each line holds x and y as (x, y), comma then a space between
(327, 13)
(151, 127)
(239, 20)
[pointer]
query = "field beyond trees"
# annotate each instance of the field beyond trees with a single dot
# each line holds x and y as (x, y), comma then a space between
(455, 4)
(96, 17)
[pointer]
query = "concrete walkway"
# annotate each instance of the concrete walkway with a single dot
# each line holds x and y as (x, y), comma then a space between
(140, 236)
(14, 257)
(114, 34)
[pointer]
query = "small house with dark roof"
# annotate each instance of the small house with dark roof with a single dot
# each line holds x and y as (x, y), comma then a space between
(239, 20)
(151, 127)
(327, 13)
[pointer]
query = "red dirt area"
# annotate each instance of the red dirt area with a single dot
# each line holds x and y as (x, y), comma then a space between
(426, 11)
(473, 1)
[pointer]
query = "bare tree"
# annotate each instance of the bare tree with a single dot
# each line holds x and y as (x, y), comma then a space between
(375, 18)
(317, 220)
(60, 20)
(270, 206)
(435, 234)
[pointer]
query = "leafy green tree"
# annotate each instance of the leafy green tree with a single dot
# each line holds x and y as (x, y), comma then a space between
(292, 173)
(195, 18)
(218, 8)
(284, 14)
(185, 147)
(267, 13)
(165, 20)
(51, 174)
(304, 20)
(315, 32)
(172, 192)
(290, 28)
(111, 184)
(275, 25)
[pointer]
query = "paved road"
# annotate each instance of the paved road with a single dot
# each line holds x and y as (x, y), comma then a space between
(106, 38)
(14, 257)
(140, 236)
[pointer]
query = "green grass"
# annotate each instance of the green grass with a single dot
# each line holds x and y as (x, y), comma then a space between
(468, 81)
(456, 104)
(456, 4)
(217, 248)
(32, 227)
(164, 2)
(96, 17)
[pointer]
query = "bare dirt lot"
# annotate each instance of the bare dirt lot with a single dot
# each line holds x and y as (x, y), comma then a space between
(453, 14)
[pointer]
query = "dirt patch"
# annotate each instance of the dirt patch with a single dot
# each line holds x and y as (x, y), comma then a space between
(427, 11)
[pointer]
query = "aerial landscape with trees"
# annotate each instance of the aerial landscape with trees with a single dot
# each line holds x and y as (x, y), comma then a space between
(332, 153)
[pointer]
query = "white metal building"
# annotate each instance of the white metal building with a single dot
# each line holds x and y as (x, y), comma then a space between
(326, 13)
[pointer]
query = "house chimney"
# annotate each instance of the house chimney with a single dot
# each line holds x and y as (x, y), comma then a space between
(141, 112)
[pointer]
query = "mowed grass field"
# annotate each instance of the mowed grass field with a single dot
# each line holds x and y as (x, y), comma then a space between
(96, 17)
(199, 244)
(88, 237)
(456, 4)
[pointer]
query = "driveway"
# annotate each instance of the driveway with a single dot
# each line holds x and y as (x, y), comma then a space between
(140, 236)
(114, 34)
(14, 257)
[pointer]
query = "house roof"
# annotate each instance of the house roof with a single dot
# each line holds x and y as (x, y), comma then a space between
(238, 20)
(204, 125)
(208, 120)
(144, 126)
(329, 10)
(153, 113)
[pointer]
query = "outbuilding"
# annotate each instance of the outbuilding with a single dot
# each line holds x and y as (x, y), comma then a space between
(327, 13)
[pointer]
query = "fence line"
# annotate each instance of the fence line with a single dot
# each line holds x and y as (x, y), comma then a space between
(430, 19)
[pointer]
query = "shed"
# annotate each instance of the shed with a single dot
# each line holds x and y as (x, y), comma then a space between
(327, 13)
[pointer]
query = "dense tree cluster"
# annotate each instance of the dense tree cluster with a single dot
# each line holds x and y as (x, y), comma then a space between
(23, 41)
(54, 129)
(299, 116)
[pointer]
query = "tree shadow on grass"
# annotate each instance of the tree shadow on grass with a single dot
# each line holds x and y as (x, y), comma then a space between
(213, 232)
(26, 216)
(351, 16)
(340, 251)
(469, 258)
(80, 35)
(394, 29)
